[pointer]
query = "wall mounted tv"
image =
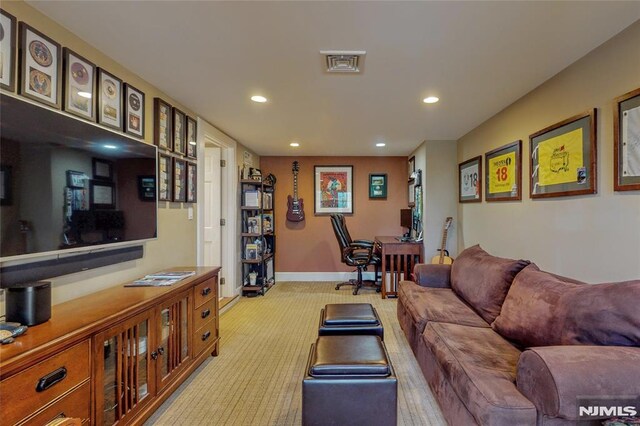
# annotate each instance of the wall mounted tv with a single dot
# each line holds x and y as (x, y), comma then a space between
(67, 185)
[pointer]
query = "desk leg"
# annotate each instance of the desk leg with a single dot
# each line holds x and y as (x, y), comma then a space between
(383, 284)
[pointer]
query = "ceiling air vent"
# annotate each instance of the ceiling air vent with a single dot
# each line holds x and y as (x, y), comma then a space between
(344, 61)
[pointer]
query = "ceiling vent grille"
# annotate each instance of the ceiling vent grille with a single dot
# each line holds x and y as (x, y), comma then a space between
(344, 61)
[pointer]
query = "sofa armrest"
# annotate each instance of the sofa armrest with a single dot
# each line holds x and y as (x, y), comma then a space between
(435, 276)
(554, 377)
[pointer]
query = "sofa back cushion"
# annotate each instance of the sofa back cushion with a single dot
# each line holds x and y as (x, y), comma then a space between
(483, 280)
(543, 309)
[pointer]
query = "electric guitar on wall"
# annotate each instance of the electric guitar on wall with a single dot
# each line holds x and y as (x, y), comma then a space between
(295, 205)
(443, 258)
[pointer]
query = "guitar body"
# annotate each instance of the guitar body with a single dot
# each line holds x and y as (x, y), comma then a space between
(295, 209)
(446, 260)
(443, 258)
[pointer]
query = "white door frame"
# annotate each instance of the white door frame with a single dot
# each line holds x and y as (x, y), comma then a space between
(209, 135)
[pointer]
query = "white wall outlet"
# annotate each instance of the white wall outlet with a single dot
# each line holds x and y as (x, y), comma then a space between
(190, 213)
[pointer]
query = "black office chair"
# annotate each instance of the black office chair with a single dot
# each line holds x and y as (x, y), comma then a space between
(358, 253)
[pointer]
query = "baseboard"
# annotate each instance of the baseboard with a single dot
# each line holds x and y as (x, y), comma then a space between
(320, 276)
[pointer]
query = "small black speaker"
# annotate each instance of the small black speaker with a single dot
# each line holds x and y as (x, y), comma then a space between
(28, 303)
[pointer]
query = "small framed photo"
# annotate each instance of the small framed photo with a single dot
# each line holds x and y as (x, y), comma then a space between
(8, 25)
(75, 179)
(179, 132)
(79, 85)
(147, 188)
(103, 195)
(333, 189)
(162, 124)
(179, 180)
(503, 173)
(133, 111)
(192, 182)
(102, 169)
(377, 185)
(412, 193)
(412, 167)
(626, 139)
(109, 100)
(40, 66)
(470, 180)
(165, 177)
(563, 158)
(192, 144)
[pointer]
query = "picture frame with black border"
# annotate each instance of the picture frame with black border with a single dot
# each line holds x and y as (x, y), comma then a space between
(109, 100)
(626, 142)
(562, 160)
(378, 185)
(9, 24)
(134, 106)
(75, 179)
(412, 193)
(179, 131)
(470, 180)
(79, 85)
(179, 180)
(165, 177)
(192, 135)
(102, 169)
(40, 66)
(192, 182)
(162, 124)
(411, 167)
(102, 195)
(503, 173)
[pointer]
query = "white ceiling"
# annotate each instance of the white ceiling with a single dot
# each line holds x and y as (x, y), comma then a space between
(478, 57)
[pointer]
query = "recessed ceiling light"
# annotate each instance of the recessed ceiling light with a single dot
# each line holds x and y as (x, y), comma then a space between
(84, 95)
(294, 144)
(111, 147)
(381, 144)
(431, 100)
(259, 99)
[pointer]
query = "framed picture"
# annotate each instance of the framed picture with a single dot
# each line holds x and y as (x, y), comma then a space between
(75, 179)
(503, 173)
(109, 100)
(470, 180)
(40, 66)
(411, 167)
(192, 134)
(626, 139)
(147, 188)
(102, 169)
(103, 195)
(6, 185)
(7, 51)
(179, 132)
(563, 158)
(165, 177)
(79, 85)
(192, 182)
(179, 180)
(333, 189)
(133, 111)
(412, 192)
(162, 124)
(377, 185)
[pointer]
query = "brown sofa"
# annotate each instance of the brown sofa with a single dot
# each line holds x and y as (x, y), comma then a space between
(501, 342)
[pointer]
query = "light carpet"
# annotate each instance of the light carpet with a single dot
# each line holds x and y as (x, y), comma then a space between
(265, 341)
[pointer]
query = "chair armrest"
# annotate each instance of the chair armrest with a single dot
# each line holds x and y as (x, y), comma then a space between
(358, 254)
(435, 276)
(554, 377)
(362, 243)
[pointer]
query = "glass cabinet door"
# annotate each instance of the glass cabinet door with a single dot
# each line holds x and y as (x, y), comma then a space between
(173, 349)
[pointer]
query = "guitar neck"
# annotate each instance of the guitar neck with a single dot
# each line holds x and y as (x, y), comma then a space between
(295, 186)
(443, 245)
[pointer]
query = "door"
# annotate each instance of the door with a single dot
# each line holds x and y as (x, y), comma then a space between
(212, 238)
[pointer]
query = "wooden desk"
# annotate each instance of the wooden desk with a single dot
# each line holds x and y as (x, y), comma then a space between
(397, 258)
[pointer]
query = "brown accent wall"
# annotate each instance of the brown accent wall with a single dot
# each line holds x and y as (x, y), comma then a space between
(310, 246)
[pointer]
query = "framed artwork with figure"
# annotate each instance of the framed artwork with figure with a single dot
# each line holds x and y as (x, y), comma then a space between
(333, 189)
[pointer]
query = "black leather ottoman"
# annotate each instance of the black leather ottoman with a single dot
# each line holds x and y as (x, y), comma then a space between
(349, 381)
(338, 319)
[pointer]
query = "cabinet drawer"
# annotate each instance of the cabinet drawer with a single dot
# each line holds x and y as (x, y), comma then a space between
(204, 337)
(76, 404)
(204, 314)
(205, 291)
(35, 387)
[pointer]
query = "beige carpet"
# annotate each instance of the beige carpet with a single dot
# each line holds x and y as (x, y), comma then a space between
(257, 378)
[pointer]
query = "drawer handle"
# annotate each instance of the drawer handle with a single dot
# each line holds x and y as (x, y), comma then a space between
(206, 291)
(205, 313)
(206, 335)
(51, 379)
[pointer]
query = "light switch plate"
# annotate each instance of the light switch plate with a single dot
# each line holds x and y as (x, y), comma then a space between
(190, 213)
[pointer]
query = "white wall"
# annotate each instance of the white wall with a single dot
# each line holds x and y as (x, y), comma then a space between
(594, 238)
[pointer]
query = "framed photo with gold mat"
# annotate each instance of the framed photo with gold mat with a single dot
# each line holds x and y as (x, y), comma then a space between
(503, 173)
(40, 66)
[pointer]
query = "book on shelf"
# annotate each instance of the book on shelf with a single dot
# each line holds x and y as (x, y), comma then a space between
(153, 282)
(252, 198)
(267, 222)
(251, 251)
(254, 225)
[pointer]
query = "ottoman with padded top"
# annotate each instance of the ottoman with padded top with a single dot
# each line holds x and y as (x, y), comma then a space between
(350, 318)
(349, 380)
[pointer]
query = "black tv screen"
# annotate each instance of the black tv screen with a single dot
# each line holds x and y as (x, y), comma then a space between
(67, 184)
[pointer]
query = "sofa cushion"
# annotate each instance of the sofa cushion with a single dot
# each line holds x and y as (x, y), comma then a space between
(543, 309)
(435, 304)
(481, 368)
(483, 280)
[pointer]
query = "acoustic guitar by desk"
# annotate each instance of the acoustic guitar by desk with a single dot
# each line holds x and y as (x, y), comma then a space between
(443, 258)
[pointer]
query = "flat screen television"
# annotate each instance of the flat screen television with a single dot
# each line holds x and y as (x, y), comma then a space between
(67, 185)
